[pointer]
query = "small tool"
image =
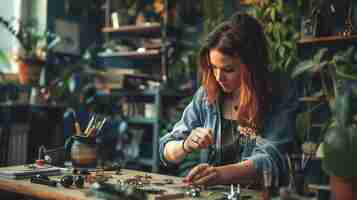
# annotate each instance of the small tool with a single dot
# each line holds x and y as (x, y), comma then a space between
(194, 192)
(67, 181)
(39, 179)
(234, 193)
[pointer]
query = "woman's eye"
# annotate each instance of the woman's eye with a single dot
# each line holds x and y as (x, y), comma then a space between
(225, 70)
(228, 70)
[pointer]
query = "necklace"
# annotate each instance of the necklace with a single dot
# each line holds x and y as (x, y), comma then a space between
(235, 108)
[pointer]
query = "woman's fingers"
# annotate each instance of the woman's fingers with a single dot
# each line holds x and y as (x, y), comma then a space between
(204, 172)
(195, 144)
(195, 172)
(200, 138)
(209, 179)
(205, 134)
(206, 175)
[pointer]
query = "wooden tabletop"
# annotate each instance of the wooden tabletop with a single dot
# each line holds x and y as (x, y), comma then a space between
(175, 190)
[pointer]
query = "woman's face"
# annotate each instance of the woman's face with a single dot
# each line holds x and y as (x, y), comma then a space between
(225, 69)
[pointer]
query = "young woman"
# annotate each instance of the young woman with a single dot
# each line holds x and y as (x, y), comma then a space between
(235, 116)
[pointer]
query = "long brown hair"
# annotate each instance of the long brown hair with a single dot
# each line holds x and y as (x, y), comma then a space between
(241, 36)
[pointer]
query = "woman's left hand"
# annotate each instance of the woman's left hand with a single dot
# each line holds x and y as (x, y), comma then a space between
(203, 174)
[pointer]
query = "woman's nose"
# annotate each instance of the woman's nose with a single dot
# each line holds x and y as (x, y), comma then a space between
(219, 75)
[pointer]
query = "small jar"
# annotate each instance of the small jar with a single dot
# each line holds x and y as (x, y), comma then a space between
(83, 152)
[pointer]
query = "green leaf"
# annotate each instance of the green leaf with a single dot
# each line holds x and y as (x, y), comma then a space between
(280, 5)
(320, 66)
(349, 51)
(282, 51)
(288, 44)
(319, 55)
(273, 14)
(268, 11)
(288, 62)
(303, 122)
(4, 61)
(303, 67)
(269, 27)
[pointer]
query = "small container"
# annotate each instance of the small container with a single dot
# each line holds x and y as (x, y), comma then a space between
(83, 152)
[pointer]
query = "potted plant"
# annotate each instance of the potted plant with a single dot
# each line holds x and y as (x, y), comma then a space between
(339, 85)
(33, 43)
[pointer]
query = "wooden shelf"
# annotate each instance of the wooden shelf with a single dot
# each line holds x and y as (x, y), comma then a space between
(319, 187)
(149, 54)
(145, 161)
(312, 99)
(326, 40)
(125, 92)
(137, 30)
(147, 92)
(142, 120)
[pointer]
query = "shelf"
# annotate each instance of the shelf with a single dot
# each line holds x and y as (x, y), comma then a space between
(149, 54)
(317, 97)
(319, 187)
(136, 30)
(145, 161)
(148, 92)
(125, 92)
(312, 99)
(142, 120)
(327, 40)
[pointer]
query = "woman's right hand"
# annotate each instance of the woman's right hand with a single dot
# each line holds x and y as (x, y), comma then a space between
(199, 138)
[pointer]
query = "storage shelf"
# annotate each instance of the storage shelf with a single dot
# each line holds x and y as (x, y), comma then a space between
(125, 92)
(135, 30)
(142, 120)
(319, 187)
(326, 40)
(150, 54)
(147, 92)
(149, 62)
(312, 99)
(145, 161)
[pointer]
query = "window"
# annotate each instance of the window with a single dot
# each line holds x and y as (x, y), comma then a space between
(16, 9)
(9, 9)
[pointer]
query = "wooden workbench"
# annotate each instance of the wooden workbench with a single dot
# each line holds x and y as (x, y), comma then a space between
(175, 190)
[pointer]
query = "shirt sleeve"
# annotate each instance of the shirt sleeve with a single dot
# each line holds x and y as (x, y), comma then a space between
(268, 155)
(191, 118)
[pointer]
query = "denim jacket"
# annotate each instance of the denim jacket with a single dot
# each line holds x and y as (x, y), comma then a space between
(267, 153)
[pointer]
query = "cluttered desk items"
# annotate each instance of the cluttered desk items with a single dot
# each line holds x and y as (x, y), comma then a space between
(27, 171)
(117, 184)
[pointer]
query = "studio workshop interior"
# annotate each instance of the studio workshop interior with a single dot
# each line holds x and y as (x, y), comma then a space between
(178, 99)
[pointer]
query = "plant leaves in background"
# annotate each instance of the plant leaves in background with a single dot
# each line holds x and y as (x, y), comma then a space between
(303, 67)
(319, 55)
(4, 61)
(303, 122)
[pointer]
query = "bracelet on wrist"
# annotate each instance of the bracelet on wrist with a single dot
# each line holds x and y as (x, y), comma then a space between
(183, 147)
